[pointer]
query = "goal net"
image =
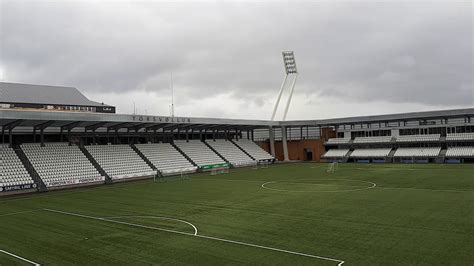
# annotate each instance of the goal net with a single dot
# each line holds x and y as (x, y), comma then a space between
(332, 167)
(220, 171)
(261, 165)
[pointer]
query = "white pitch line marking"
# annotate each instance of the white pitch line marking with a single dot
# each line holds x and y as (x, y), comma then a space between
(340, 262)
(156, 217)
(428, 189)
(20, 258)
(15, 213)
(372, 185)
(119, 222)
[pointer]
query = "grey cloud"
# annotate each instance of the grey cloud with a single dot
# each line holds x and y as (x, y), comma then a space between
(365, 51)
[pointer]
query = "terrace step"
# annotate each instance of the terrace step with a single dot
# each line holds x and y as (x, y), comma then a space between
(235, 143)
(30, 169)
(144, 158)
(218, 154)
(184, 154)
(97, 166)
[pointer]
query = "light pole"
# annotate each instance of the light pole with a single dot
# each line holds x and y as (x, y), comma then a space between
(291, 72)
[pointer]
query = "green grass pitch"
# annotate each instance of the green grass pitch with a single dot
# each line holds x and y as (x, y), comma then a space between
(360, 215)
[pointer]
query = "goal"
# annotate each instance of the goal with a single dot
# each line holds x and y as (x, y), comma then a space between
(220, 171)
(261, 165)
(332, 167)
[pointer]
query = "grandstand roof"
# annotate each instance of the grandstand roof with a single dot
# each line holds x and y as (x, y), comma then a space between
(123, 121)
(385, 118)
(43, 94)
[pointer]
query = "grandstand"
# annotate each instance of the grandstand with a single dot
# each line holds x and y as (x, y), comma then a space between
(254, 151)
(384, 139)
(423, 152)
(200, 154)
(419, 138)
(231, 152)
(59, 143)
(166, 159)
(337, 141)
(336, 153)
(460, 152)
(120, 161)
(460, 137)
(14, 175)
(371, 153)
(61, 164)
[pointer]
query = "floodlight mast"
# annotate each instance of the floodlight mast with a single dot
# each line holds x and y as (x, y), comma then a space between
(172, 96)
(290, 70)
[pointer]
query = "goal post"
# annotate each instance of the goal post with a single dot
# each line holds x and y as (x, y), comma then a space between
(332, 167)
(219, 169)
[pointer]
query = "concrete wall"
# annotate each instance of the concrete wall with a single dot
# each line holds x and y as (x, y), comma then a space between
(296, 149)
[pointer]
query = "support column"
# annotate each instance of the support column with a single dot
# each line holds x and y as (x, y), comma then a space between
(42, 137)
(10, 136)
(272, 141)
(285, 145)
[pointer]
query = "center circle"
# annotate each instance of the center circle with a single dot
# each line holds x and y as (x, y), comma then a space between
(318, 185)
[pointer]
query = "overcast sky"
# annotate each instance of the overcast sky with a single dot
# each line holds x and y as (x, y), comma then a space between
(353, 57)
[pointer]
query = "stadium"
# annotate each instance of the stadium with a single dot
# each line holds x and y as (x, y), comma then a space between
(220, 191)
(364, 156)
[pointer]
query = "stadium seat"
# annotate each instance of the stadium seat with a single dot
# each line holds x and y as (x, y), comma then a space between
(381, 139)
(231, 153)
(13, 172)
(120, 161)
(370, 153)
(199, 153)
(59, 164)
(336, 153)
(417, 152)
(460, 136)
(166, 158)
(419, 138)
(335, 141)
(254, 150)
(460, 152)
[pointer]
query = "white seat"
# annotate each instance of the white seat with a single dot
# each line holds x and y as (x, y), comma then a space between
(254, 150)
(231, 153)
(336, 153)
(166, 158)
(59, 164)
(417, 152)
(199, 153)
(13, 172)
(120, 161)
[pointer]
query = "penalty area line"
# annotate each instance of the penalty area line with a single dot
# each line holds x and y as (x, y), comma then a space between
(338, 261)
(20, 258)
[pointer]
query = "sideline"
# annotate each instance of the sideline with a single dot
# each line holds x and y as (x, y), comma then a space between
(20, 212)
(20, 258)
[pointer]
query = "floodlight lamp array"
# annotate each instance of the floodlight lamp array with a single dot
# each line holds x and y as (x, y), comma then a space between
(289, 62)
